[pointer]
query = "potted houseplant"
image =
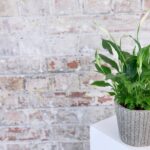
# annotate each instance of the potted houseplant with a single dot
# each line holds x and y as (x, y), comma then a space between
(129, 79)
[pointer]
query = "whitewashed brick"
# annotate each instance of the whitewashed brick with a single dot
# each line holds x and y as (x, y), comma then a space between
(74, 132)
(97, 6)
(61, 45)
(10, 83)
(22, 25)
(116, 23)
(18, 146)
(42, 117)
(32, 64)
(127, 6)
(72, 146)
(55, 100)
(34, 7)
(24, 134)
(146, 4)
(88, 43)
(86, 80)
(9, 65)
(66, 7)
(14, 100)
(45, 146)
(8, 8)
(37, 83)
(9, 45)
(67, 24)
(32, 25)
(13, 118)
(66, 82)
(32, 44)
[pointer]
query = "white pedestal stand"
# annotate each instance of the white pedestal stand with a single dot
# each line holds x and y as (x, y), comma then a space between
(104, 136)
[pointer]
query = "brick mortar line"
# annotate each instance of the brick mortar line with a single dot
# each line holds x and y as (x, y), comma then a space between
(75, 15)
(40, 142)
(35, 126)
(46, 126)
(38, 74)
(59, 108)
(78, 54)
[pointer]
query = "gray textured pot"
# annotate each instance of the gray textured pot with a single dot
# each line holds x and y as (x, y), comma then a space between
(134, 126)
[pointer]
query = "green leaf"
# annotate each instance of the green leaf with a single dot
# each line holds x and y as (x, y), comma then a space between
(127, 101)
(117, 48)
(116, 78)
(109, 61)
(101, 83)
(107, 46)
(143, 58)
(147, 108)
(131, 84)
(99, 69)
(97, 59)
(146, 73)
(111, 76)
(106, 70)
(126, 55)
(103, 69)
(130, 69)
(147, 101)
(146, 55)
(136, 41)
(111, 93)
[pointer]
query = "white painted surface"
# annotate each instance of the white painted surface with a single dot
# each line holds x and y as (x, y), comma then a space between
(104, 136)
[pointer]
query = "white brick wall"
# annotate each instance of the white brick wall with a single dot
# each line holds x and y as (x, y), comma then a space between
(46, 53)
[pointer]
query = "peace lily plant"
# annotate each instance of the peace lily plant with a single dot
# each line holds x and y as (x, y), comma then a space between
(131, 82)
(130, 85)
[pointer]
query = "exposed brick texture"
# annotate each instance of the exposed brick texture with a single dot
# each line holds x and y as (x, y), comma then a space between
(127, 6)
(146, 4)
(97, 6)
(46, 53)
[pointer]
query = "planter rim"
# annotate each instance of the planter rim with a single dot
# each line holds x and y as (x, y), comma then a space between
(122, 107)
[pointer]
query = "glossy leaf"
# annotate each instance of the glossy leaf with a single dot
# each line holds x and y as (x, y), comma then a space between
(130, 69)
(109, 61)
(116, 48)
(107, 46)
(101, 83)
(103, 69)
(111, 93)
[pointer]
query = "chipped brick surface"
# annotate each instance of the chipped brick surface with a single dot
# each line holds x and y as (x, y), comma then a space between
(47, 50)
